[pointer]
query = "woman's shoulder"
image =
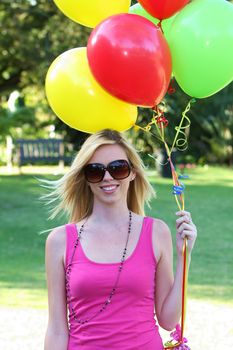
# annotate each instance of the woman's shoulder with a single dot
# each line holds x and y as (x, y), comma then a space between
(56, 238)
(160, 226)
(56, 245)
(161, 237)
(161, 231)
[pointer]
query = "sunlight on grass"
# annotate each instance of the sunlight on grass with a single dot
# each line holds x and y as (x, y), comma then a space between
(222, 176)
(23, 297)
(212, 293)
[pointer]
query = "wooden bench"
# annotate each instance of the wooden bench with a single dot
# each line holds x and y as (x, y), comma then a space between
(41, 150)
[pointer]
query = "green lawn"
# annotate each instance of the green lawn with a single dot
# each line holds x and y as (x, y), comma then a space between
(209, 194)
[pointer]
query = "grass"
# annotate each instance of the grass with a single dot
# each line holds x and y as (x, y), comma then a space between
(209, 193)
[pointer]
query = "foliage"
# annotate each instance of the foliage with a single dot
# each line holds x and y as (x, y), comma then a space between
(29, 43)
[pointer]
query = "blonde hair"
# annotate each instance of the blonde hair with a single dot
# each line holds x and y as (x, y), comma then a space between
(72, 191)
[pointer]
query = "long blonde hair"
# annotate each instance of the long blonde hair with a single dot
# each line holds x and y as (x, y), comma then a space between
(72, 191)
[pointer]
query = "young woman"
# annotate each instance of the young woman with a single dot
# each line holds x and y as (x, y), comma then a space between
(111, 267)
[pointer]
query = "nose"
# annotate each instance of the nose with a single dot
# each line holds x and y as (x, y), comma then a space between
(107, 176)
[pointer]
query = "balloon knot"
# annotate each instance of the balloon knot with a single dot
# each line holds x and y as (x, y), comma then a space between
(171, 89)
(160, 118)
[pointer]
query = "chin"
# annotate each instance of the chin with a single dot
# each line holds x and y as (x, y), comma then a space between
(109, 199)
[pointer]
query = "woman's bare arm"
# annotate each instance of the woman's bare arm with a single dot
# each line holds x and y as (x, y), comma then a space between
(56, 337)
(168, 290)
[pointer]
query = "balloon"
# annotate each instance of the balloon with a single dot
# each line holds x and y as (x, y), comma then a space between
(79, 101)
(163, 8)
(201, 42)
(91, 12)
(129, 56)
(166, 23)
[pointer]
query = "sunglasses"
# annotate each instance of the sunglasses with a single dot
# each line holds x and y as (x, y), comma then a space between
(118, 169)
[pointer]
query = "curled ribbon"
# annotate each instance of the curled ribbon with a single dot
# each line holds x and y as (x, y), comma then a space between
(163, 120)
(176, 336)
(182, 143)
(178, 190)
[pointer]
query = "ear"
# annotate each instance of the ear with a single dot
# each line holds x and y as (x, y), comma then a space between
(133, 176)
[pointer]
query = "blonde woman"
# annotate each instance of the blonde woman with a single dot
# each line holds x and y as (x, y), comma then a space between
(110, 271)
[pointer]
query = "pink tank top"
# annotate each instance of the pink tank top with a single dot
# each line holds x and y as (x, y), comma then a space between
(128, 323)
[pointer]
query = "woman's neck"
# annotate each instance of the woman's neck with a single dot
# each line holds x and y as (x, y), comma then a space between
(110, 213)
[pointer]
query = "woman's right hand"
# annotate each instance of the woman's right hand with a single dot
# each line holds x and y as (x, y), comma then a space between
(185, 228)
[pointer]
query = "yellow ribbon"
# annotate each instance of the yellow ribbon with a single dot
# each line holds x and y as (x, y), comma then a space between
(181, 144)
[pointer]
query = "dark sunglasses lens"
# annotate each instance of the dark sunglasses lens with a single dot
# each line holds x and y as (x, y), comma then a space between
(119, 169)
(94, 172)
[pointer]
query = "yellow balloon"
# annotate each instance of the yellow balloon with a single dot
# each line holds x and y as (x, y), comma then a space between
(92, 12)
(79, 101)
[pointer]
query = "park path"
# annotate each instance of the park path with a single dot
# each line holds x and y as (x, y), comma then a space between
(208, 326)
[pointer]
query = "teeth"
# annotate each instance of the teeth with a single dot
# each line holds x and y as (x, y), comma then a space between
(109, 187)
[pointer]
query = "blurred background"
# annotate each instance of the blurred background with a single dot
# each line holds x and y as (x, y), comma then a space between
(35, 143)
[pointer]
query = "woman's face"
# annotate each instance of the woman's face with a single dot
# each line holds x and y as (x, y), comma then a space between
(110, 190)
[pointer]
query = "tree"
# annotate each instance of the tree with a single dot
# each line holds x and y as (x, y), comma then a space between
(33, 33)
(29, 43)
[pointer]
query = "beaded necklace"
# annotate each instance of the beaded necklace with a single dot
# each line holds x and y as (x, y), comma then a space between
(68, 272)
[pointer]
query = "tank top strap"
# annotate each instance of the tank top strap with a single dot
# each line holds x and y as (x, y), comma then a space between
(71, 236)
(146, 240)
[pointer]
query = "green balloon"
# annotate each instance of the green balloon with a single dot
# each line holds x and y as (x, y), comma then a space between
(201, 43)
(166, 23)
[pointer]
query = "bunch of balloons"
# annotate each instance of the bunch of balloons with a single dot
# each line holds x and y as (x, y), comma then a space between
(131, 55)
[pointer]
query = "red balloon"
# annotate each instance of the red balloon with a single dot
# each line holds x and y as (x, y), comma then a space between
(129, 56)
(162, 9)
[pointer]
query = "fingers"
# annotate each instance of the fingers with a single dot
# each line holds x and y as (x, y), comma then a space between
(182, 219)
(186, 234)
(185, 216)
(187, 230)
(183, 212)
(183, 226)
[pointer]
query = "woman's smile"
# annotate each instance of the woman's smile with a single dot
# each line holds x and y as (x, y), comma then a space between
(109, 188)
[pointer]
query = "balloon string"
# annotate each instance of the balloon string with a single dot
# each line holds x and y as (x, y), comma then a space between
(159, 24)
(184, 286)
(160, 127)
(160, 122)
(182, 340)
(178, 191)
(182, 143)
(147, 128)
(178, 188)
(171, 89)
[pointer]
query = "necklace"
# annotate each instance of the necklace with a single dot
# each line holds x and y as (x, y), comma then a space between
(68, 272)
